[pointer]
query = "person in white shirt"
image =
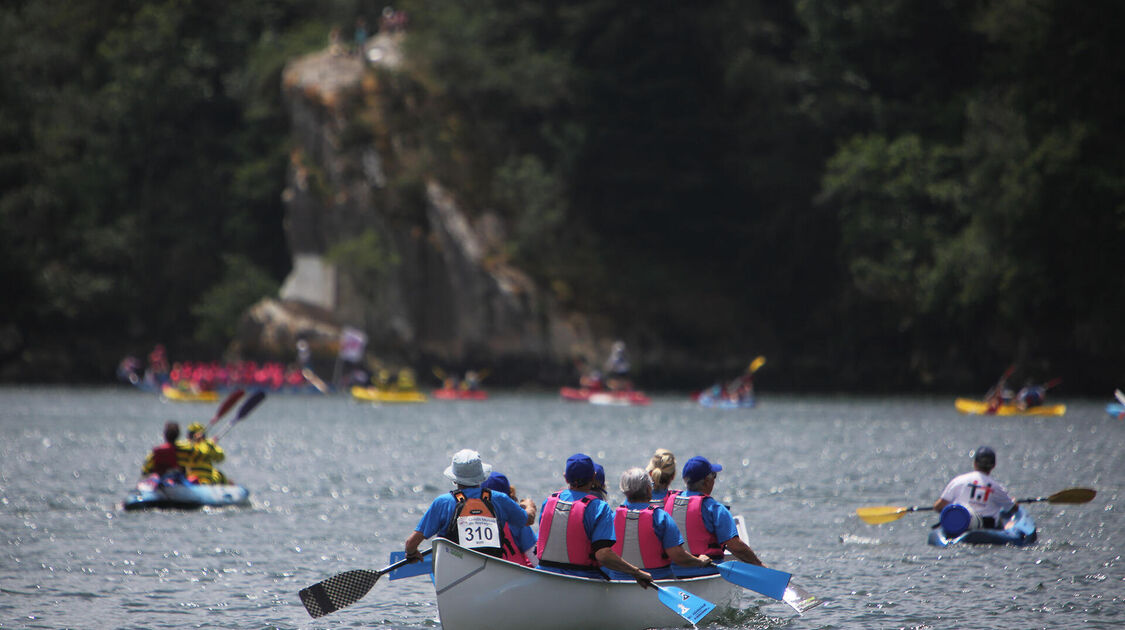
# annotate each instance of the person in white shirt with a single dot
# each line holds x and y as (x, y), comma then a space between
(977, 490)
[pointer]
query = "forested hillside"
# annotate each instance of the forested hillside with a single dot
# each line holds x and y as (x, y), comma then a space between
(877, 195)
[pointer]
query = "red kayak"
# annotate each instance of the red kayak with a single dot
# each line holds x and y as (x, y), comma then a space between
(604, 396)
(460, 394)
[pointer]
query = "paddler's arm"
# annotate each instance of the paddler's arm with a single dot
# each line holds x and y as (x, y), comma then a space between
(742, 551)
(681, 557)
(411, 547)
(940, 504)
(610, 560)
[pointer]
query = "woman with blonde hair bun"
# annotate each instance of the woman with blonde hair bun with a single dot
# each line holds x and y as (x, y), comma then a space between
(662, 470)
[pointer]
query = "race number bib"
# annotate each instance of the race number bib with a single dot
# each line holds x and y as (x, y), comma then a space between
(478, 531)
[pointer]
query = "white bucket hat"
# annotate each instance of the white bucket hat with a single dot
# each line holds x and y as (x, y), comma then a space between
(467, 469)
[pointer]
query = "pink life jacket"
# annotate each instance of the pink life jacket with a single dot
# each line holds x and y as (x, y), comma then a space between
(660, 503)
(563, 541)
(688, 514)
(510, 550)
(637, 542)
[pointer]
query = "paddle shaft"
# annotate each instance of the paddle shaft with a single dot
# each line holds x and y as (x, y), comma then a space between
(227, 405)
(243, 411)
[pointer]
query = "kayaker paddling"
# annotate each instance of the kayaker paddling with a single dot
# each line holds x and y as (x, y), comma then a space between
(984, 496)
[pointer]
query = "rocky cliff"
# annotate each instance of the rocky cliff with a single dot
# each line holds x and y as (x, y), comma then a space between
(419, 273)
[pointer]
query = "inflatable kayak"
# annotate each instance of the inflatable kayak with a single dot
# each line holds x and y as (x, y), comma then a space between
(604, 397)
(1117, 410)
(979, 407)
(707, 400)
(171, 392)
(176, 492)
(375, 394)
(460, 394)
(1014, 529)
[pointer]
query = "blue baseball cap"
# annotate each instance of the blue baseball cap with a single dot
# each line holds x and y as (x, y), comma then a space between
(497, 482)
(697, 468)
(599, 474)
(579, 468)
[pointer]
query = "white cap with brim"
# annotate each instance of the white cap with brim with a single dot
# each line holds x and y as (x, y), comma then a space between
(467, 469)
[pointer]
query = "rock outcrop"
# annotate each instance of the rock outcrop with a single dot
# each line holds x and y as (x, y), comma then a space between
(428, 286)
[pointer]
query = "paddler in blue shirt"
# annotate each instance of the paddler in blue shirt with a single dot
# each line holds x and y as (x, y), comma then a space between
(646, 535)
(706, 524)
(472, 516)
(581, 550)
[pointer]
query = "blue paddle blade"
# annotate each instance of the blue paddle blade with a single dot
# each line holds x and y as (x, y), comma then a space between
(768, 582)
(800, 599)
(691, 607)
(425, 567)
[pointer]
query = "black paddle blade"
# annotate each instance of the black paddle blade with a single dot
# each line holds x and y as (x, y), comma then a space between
(343, 589)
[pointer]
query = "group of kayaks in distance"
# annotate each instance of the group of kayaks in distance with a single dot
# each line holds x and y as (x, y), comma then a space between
(594, 388)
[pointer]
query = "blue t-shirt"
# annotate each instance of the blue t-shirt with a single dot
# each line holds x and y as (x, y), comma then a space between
(597, 521)
(669, 535)
(718, 520)
(440, 514)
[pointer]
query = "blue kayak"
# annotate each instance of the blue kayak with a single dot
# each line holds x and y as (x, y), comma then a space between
(1117, 410)
(1014, 529)
(707, 400)
(175, 492)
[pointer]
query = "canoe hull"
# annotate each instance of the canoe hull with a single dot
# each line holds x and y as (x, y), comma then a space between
(479, 592)
(153, 493)
(1018, 530)
(374, 394)
(979, 407)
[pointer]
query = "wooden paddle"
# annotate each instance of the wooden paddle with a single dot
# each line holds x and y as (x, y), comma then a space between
(231, 399)
(877, 515)
(343, 589)
(243, 411)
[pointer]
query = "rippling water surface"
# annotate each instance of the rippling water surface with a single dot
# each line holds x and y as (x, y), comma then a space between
(338, 485)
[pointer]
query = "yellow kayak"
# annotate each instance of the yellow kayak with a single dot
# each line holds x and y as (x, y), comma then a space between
(979, 407)
(172, 392)
(374, 394)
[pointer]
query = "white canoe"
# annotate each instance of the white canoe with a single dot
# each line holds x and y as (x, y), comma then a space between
(479, 592)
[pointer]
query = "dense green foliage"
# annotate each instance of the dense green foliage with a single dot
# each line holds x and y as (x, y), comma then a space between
(881, 194)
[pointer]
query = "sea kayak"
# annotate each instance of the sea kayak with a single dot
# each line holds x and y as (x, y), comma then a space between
(375, 394)
(979, 407)
(470, 586)
(171, 392)
(176, 492)
(604, 396)
(1014, 529)
(707, 400)
(447, 393)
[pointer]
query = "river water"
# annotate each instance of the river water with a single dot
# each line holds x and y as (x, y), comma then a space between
(338, 485)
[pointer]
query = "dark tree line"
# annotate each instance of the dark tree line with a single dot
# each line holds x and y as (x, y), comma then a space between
(882, 195)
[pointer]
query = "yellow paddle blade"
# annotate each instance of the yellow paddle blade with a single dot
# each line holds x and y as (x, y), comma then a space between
(879, 514)
(758, 362)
